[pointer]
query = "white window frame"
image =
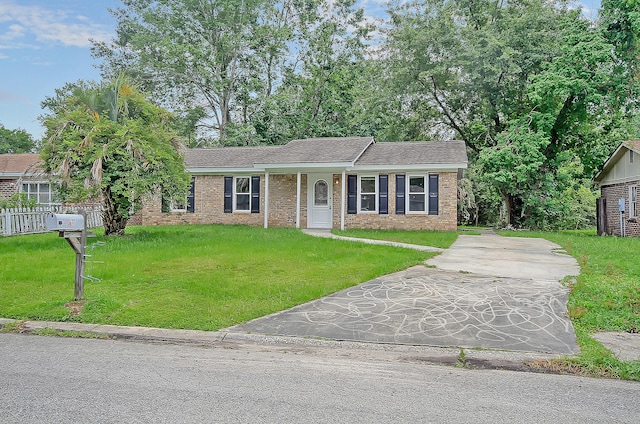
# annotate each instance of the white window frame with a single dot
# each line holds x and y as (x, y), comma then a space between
(633, 201)
(37, 193)
(631, 156)
(235, 193)
(408, 193)
(375, 193)
(176, 207)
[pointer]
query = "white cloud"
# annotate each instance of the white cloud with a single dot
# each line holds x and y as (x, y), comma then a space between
(8, 97)
(31, 26)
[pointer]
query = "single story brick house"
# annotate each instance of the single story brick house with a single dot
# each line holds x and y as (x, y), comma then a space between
(619, 179)
(20, 173)
(322, 183)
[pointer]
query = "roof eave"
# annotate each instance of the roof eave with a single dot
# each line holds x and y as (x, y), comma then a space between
(223, 170)
(14, 174)
(615, 156)
(414, 167)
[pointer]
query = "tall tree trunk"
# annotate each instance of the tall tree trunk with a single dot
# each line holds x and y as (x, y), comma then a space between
(508, 207)
(112, 221)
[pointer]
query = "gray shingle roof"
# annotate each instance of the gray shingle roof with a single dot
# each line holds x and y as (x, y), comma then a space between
(319, 150)
(227, 157)
(415, 153)
(342, 150)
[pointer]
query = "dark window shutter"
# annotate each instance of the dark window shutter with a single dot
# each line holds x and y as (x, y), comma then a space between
(352, 194)
(191, 204)
(228, 194)
(433, 194)
(383, 187)
(255, 194)
(400, 202)
(164, 208)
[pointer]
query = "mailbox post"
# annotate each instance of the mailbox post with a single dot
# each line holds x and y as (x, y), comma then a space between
(74, 229)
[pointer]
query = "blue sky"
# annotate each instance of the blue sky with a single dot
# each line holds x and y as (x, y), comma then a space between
(45, 44)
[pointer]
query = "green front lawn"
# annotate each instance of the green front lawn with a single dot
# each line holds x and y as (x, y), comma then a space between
(197, 277)
(442, 239)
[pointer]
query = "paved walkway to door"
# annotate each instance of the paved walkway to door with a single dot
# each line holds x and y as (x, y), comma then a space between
(487, 291)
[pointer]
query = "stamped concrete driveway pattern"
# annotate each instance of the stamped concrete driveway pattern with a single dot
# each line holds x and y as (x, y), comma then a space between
(427, 306)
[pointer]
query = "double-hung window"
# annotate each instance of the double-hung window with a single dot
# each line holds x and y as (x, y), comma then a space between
(180, 204)
(368, 197)
(40, 192)
(242, 196)
(633, 201)
(417, 193)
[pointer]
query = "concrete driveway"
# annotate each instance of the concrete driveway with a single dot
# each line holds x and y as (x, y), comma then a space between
(514, 257)
(486, 291)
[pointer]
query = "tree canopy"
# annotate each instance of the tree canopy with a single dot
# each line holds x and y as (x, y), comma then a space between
(16, 141)
(531, 86)
(107, 141)
(239, 67)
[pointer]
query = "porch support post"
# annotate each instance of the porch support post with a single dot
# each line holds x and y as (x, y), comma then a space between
(342, 201)
(266, 199)
(298, 184)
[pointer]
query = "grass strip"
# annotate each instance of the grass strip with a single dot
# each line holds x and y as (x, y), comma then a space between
(441, 239)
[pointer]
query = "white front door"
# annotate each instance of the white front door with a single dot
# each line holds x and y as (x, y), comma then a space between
(319, 200)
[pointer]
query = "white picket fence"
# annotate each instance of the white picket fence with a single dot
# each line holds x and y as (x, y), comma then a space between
(34, 220)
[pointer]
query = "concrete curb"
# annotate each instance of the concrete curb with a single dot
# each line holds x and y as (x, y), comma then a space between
(453, 356)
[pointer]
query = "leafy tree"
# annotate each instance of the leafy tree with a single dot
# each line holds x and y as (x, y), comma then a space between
(215, 55)
(251, 71)
(462, 68)
(317, 97)
(528, 84)
(107, 141)
(571, 112)
(15, 141)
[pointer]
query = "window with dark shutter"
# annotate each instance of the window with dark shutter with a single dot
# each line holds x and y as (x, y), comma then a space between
(352, 194)
(228, 194)
(179, 204)
(433, 194)
(164, 208)
(417, 193)
(383, 200)
(255, 194)
(191, 197)
(368, 196)
(400, 199)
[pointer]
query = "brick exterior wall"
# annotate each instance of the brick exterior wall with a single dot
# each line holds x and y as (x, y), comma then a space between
(8, 188)
(446, 220)
(611, 194)
(282, 200)
(209, 206)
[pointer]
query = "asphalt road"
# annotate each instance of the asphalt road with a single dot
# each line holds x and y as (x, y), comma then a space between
(63, 380)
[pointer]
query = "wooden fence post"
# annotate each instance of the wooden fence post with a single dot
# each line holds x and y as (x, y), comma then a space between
(7, 223)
